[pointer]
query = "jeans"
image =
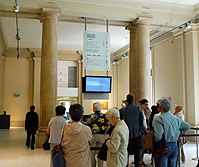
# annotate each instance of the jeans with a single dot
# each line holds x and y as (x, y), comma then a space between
(170, 159)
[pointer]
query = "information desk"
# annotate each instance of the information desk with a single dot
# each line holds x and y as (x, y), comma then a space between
(4, 121)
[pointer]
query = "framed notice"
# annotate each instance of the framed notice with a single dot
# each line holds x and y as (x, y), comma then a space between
(96, 54)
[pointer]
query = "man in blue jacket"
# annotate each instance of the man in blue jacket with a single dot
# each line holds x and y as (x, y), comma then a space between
(133, 116)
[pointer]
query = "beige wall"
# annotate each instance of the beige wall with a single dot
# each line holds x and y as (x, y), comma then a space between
(176, 73)
(17, 81)
(123, 80)
(164, 70)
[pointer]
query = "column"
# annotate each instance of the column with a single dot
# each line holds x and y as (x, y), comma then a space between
(139, 59)
(133, 65)
(49, 58)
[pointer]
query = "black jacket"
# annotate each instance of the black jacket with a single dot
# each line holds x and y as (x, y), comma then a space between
(31, 120)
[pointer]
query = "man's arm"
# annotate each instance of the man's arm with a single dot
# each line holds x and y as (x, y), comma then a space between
(158, 130)
(184, 127)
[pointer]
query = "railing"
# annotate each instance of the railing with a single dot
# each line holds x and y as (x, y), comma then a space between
(189, 135)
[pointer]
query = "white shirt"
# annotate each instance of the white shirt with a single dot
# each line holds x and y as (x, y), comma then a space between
(56, 125)
(180, 115)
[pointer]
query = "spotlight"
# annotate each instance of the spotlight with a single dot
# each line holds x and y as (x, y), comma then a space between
(189, 24)
(16, 7)
(114, 61)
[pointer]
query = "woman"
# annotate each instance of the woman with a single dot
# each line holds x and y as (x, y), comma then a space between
(76, 138)
(117, 143)
(146, 112)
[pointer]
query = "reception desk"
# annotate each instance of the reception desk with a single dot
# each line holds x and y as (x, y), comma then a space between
(4, 121)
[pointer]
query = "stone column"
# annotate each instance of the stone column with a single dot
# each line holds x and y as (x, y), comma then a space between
(49, 57)
(133, 64)
(139, 59)
(144, 79)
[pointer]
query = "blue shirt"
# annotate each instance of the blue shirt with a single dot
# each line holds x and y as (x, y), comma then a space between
(171, 126)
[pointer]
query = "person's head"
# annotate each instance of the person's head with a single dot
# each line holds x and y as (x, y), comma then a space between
(158, 104)
(60, 110)
(32, 108)
(130, 98)
(97, 106)
(165, 105)
(154, 110)
(179, 108)
(123, 104)
(76, 112)
(144, 104)
(113, 115)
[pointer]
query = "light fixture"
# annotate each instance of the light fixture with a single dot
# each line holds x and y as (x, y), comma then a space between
(16, 9)
(114, 61)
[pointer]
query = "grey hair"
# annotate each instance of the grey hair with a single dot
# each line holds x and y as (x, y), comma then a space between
(165, 104)
(113, 112)
(98, 106)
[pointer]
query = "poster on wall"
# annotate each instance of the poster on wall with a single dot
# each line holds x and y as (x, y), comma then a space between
(96, 54)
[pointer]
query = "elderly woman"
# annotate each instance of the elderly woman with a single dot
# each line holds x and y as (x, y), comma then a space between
(117, 143)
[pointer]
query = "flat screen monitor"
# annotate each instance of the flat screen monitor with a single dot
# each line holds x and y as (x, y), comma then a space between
(96, 84)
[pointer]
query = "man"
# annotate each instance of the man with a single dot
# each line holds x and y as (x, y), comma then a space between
(98, 124)
(55, 127)
(133, 117)
(31, 126)
(171, 126)
(181, 141)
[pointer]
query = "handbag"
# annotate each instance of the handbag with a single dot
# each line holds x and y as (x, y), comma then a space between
(58, 159)
(102, 154)
(58, 156)
(148, 142)
(46, 145)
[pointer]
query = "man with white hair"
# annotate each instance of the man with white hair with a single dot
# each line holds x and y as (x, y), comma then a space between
(171, 127)
(98, 124)
(117, 143)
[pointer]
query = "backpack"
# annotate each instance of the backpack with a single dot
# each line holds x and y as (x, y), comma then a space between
(148, 142)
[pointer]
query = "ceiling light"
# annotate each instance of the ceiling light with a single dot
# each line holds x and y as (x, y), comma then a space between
(16, 6)
(114, 61)
(16, 9)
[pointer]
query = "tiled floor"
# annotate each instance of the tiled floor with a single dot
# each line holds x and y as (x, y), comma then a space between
(13, 152)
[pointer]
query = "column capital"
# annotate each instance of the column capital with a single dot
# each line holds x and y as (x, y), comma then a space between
(49, 13)
(142, 20)
(131, 27)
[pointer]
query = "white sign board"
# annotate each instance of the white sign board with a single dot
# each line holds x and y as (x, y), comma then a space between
(96, 51)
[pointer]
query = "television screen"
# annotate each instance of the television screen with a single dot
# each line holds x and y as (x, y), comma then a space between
(96, 84)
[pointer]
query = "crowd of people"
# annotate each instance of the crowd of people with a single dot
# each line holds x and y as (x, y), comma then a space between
(84, 135)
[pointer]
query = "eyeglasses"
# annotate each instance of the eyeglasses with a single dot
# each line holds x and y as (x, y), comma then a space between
(146, 104)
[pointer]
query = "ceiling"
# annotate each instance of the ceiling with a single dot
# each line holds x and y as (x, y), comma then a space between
(166, 14)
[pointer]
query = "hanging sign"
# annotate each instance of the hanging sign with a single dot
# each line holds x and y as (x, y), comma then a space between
(96, 54)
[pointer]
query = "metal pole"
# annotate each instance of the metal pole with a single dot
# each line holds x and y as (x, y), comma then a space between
(106, 25)
(179, 154)
(85, 23)
(196, 145)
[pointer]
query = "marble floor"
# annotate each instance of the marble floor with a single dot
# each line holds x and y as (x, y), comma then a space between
(13, 152)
